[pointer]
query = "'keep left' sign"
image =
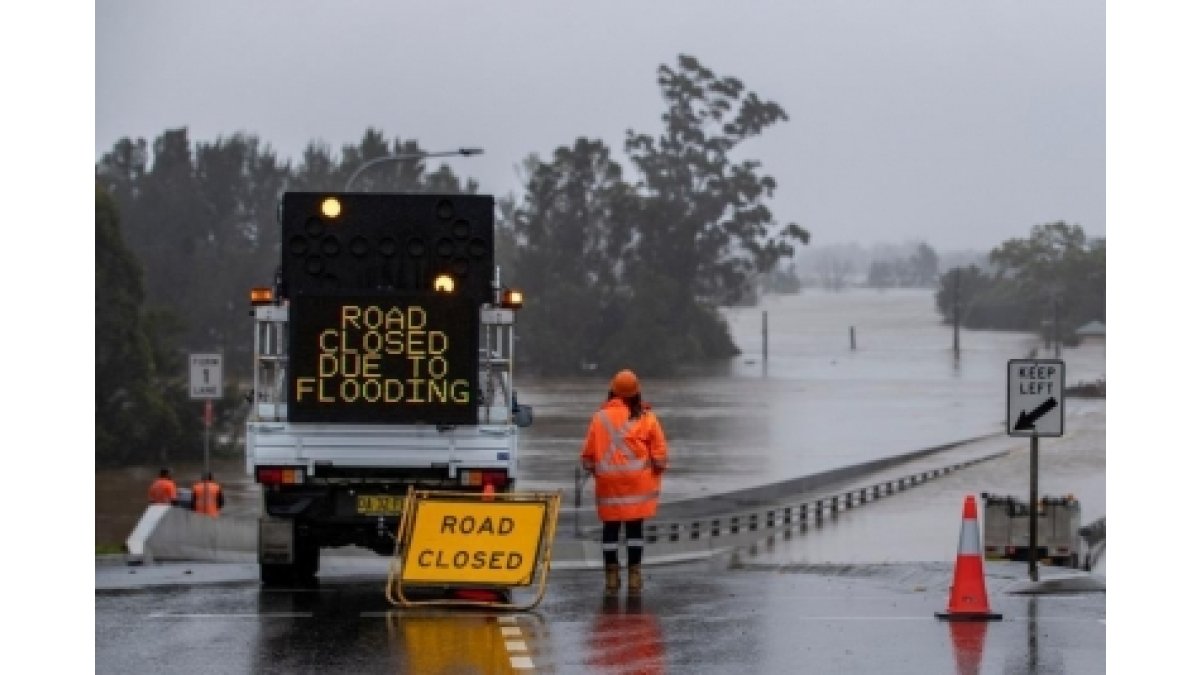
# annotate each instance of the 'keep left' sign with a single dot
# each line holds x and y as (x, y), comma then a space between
(1035, 397)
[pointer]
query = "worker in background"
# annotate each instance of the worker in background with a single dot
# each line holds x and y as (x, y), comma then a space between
(626, 451)
(207, 496)
(162, 490)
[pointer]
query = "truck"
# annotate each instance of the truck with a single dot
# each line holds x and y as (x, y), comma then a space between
(1006, 529)
(382, 361)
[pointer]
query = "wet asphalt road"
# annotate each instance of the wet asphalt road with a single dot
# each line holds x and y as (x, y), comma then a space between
(729, 614)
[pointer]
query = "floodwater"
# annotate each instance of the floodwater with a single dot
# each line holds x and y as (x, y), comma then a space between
(813, 404)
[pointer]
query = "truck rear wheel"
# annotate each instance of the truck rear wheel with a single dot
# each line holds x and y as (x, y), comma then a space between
(308, 562)
(275, 576)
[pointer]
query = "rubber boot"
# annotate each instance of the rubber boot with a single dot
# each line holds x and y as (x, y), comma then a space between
(612, 579)
(635, 579)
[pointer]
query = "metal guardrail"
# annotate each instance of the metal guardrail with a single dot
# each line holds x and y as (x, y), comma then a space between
(773, 518)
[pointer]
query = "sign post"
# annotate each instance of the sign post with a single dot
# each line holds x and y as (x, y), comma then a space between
(206, 373)
(1035, 409)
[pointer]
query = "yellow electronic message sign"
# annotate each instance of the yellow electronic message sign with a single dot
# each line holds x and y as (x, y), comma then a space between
(474, 542)
(396, 358)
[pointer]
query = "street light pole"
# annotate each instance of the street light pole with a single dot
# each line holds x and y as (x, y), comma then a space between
(461, 152)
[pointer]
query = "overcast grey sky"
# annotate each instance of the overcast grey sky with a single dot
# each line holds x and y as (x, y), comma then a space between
(953, 122)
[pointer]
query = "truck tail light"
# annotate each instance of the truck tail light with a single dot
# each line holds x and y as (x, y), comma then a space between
(497, 478)
(279, 475)
(261, 296)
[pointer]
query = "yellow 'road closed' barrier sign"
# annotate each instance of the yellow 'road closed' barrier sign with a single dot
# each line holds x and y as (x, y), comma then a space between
(467, 540)
(474, 542)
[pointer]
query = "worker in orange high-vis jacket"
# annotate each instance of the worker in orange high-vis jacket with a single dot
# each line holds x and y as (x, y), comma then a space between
(207, 496)
(162, 490)
(626, 451)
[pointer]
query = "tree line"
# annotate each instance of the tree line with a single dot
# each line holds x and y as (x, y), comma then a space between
(1052, 282)
(617, 271)
(918, 270)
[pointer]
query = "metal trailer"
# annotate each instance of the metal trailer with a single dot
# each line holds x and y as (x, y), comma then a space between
(1006, 529)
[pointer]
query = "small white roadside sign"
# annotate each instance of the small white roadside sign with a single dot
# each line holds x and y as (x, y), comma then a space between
(1035, 397)
(205, 376)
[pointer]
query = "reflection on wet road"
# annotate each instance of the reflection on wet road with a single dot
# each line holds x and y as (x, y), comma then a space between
(719, 616)
(625, 637)
(428, 642)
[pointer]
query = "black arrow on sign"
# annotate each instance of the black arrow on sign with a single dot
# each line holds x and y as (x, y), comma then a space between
(1026, 421)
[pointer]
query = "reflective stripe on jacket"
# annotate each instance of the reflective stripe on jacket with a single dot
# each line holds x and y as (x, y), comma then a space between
(627, 457)
(206, 498)
(162, 491)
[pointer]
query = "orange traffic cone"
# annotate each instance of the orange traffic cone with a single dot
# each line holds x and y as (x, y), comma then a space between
(489, 492)
(968, 593)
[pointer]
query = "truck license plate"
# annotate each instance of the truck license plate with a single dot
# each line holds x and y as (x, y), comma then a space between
(380, 505)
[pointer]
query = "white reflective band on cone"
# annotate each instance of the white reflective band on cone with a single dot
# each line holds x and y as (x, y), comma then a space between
(968, 538)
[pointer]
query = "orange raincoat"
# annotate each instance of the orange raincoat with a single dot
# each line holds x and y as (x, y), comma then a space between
(207, 498)
(162, 491)
(628, 458)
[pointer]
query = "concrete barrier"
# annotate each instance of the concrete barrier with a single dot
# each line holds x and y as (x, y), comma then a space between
(171, 533)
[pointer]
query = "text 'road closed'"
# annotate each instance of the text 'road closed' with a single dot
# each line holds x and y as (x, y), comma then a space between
(474, 542)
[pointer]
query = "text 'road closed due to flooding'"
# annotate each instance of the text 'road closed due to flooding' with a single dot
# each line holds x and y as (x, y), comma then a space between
(383, 359)
(474, 542)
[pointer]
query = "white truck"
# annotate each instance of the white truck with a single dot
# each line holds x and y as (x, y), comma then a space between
(383, 360)
(1006, 529)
